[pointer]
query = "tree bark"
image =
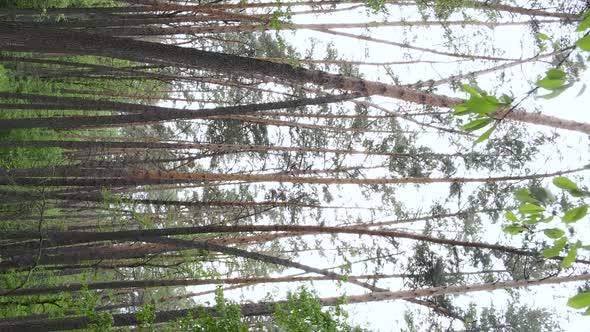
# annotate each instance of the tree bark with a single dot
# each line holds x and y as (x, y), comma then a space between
(23, 37)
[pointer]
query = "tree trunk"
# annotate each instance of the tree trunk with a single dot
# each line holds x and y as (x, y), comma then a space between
(22, 37)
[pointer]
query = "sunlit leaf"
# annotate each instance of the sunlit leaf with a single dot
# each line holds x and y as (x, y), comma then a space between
(578, 193)
(477, 124)
(524, 195)
(542, 36)
(554, 233)
(555, 92)
(471, 90)
(584, 25)
(556, 74)
(485, 135)
(533, 218)
(564, 183)
(528, 208)
(550, 84)
(481, 105)
(558, 245)
(506, 100)
(491, 100)
(584, 43)
(510, 216)
(570, 258)
(543, 195)
(513, 229)
(461, 109)
(579, 301)
(575, 214)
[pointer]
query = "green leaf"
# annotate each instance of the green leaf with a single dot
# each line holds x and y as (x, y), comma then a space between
(477, 124)
(524, 195)
(481, 105)
(564, 183)
(554, 79)
(485, 135)
(510, 216)
(578, 193)
(548, 219)
(558, 245)
(542, 36)
(461, 109)
(575, 214)
(554, 233)
(528, 208)
(533, 218)
(506, 100)
(587, 312)
(556, 74)
(471, 90)
(556, 92)
(543, 195)
(491, 100)
(571, 255)
(584, 25)
(569, 258)
(579, 301)
(513, 229)
(584, 43)
(550, 84)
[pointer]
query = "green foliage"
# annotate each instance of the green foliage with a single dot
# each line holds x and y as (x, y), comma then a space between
(564, 183)
(575, 214)
(532, 211)
(442, 8)
(513, 229)
(554, 233)
(303, 313)
(22, 158)
(584, 42)
(147, 315)
(558, 246)
(226, 316)
(512, 318)
(85, 304)
(555, 81)
(580, 301)
(376, 6)
(479, 107)
(278, 18)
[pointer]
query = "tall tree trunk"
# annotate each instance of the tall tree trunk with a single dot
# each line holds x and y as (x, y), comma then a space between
(22, 37)
(152, 114)
(71, 237)
(228, 148)
(76, 176)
